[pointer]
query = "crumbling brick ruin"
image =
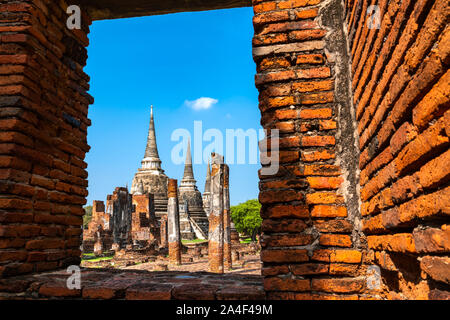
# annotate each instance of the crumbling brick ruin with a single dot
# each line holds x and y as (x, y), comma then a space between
(127, 220)
(359, 208)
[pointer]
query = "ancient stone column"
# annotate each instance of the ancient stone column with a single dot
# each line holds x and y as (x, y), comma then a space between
(226, 219)
(173, 223)
(163, 232)
(215, 244)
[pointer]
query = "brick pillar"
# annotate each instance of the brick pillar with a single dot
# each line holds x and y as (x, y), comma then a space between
(215, 235)
(163, 232)
(226, 219)
(43, 127)
(173, 223)
(311, 246)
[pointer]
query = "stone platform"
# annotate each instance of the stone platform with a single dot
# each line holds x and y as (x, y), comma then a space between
(134, 285)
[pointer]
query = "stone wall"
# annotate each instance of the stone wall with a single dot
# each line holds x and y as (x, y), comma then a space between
(144, 226)
(43, 127)
(401, 93)
(364, 126)
(311, 240)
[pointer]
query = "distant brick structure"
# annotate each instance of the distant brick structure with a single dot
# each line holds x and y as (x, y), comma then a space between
(359, 208)
(216, 234)
(126, 220)
(173, 223)
(98, 230)
(144, 225)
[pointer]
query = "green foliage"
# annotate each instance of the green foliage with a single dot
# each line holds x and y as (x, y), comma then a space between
(98, 259)
(87, 216)
(194, 241)
(246, 216)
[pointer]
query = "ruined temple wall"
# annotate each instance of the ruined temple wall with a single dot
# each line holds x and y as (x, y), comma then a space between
(312, 247)
(400, 81)
(99, 219)
(43, 127)
(140, 217)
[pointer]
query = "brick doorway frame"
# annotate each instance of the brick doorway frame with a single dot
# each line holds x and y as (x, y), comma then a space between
(314, 243)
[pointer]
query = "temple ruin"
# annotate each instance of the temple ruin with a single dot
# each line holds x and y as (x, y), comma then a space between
(358, 210)
(134, 218)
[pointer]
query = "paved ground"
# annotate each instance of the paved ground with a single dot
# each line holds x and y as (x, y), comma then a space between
(251, 265)
(134, 285)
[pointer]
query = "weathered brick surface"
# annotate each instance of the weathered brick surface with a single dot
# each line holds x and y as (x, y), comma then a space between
(317, 243)
(401, 83)
(305, 204)
(43, 126)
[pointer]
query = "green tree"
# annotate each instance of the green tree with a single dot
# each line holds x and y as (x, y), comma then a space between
(246, 217)
(87, 216)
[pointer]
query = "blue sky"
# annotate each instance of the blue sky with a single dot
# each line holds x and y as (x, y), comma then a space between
(165, 61)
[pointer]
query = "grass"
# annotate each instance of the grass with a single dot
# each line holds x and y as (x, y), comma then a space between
(247, 240)
(98, 259)
(88, 255)
(194, 241)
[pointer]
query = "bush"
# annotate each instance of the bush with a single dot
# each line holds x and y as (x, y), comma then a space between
(246, 216)
(87, 216)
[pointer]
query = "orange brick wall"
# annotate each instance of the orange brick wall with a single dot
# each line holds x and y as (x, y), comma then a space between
(400, 81)
(364, 156)
(43, 127)
(312, 245)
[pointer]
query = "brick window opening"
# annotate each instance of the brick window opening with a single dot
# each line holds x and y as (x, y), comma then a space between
(359, 207)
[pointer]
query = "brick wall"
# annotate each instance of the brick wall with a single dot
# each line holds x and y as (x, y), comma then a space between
(400, 81)
(312, 243)
(43, 126)
(364, 126)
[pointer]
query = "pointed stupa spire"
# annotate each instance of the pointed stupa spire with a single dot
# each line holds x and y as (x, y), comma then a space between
(208, 179)
(151, 159)
(151, 151)
(188, 171)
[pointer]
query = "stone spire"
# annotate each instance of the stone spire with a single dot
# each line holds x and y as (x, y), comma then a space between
(208, 179)
(188, 176)
(151, 159)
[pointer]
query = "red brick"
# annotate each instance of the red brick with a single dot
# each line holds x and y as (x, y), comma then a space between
(285, 225)
(311, 156)
(335, 240)
(266, 197)
(324, 198)
(321, 72)
(287, 284)
(318, 141)
(322, 170)
(297, 3)
(286, 240)
(307, 13)
(271, 17)
(324, 182)
(309, 269)
(322, 113)
(286, 211)
(286, 255)
(311, 59)
(344, 285)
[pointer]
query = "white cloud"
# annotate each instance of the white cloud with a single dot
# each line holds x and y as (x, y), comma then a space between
(201, 103)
